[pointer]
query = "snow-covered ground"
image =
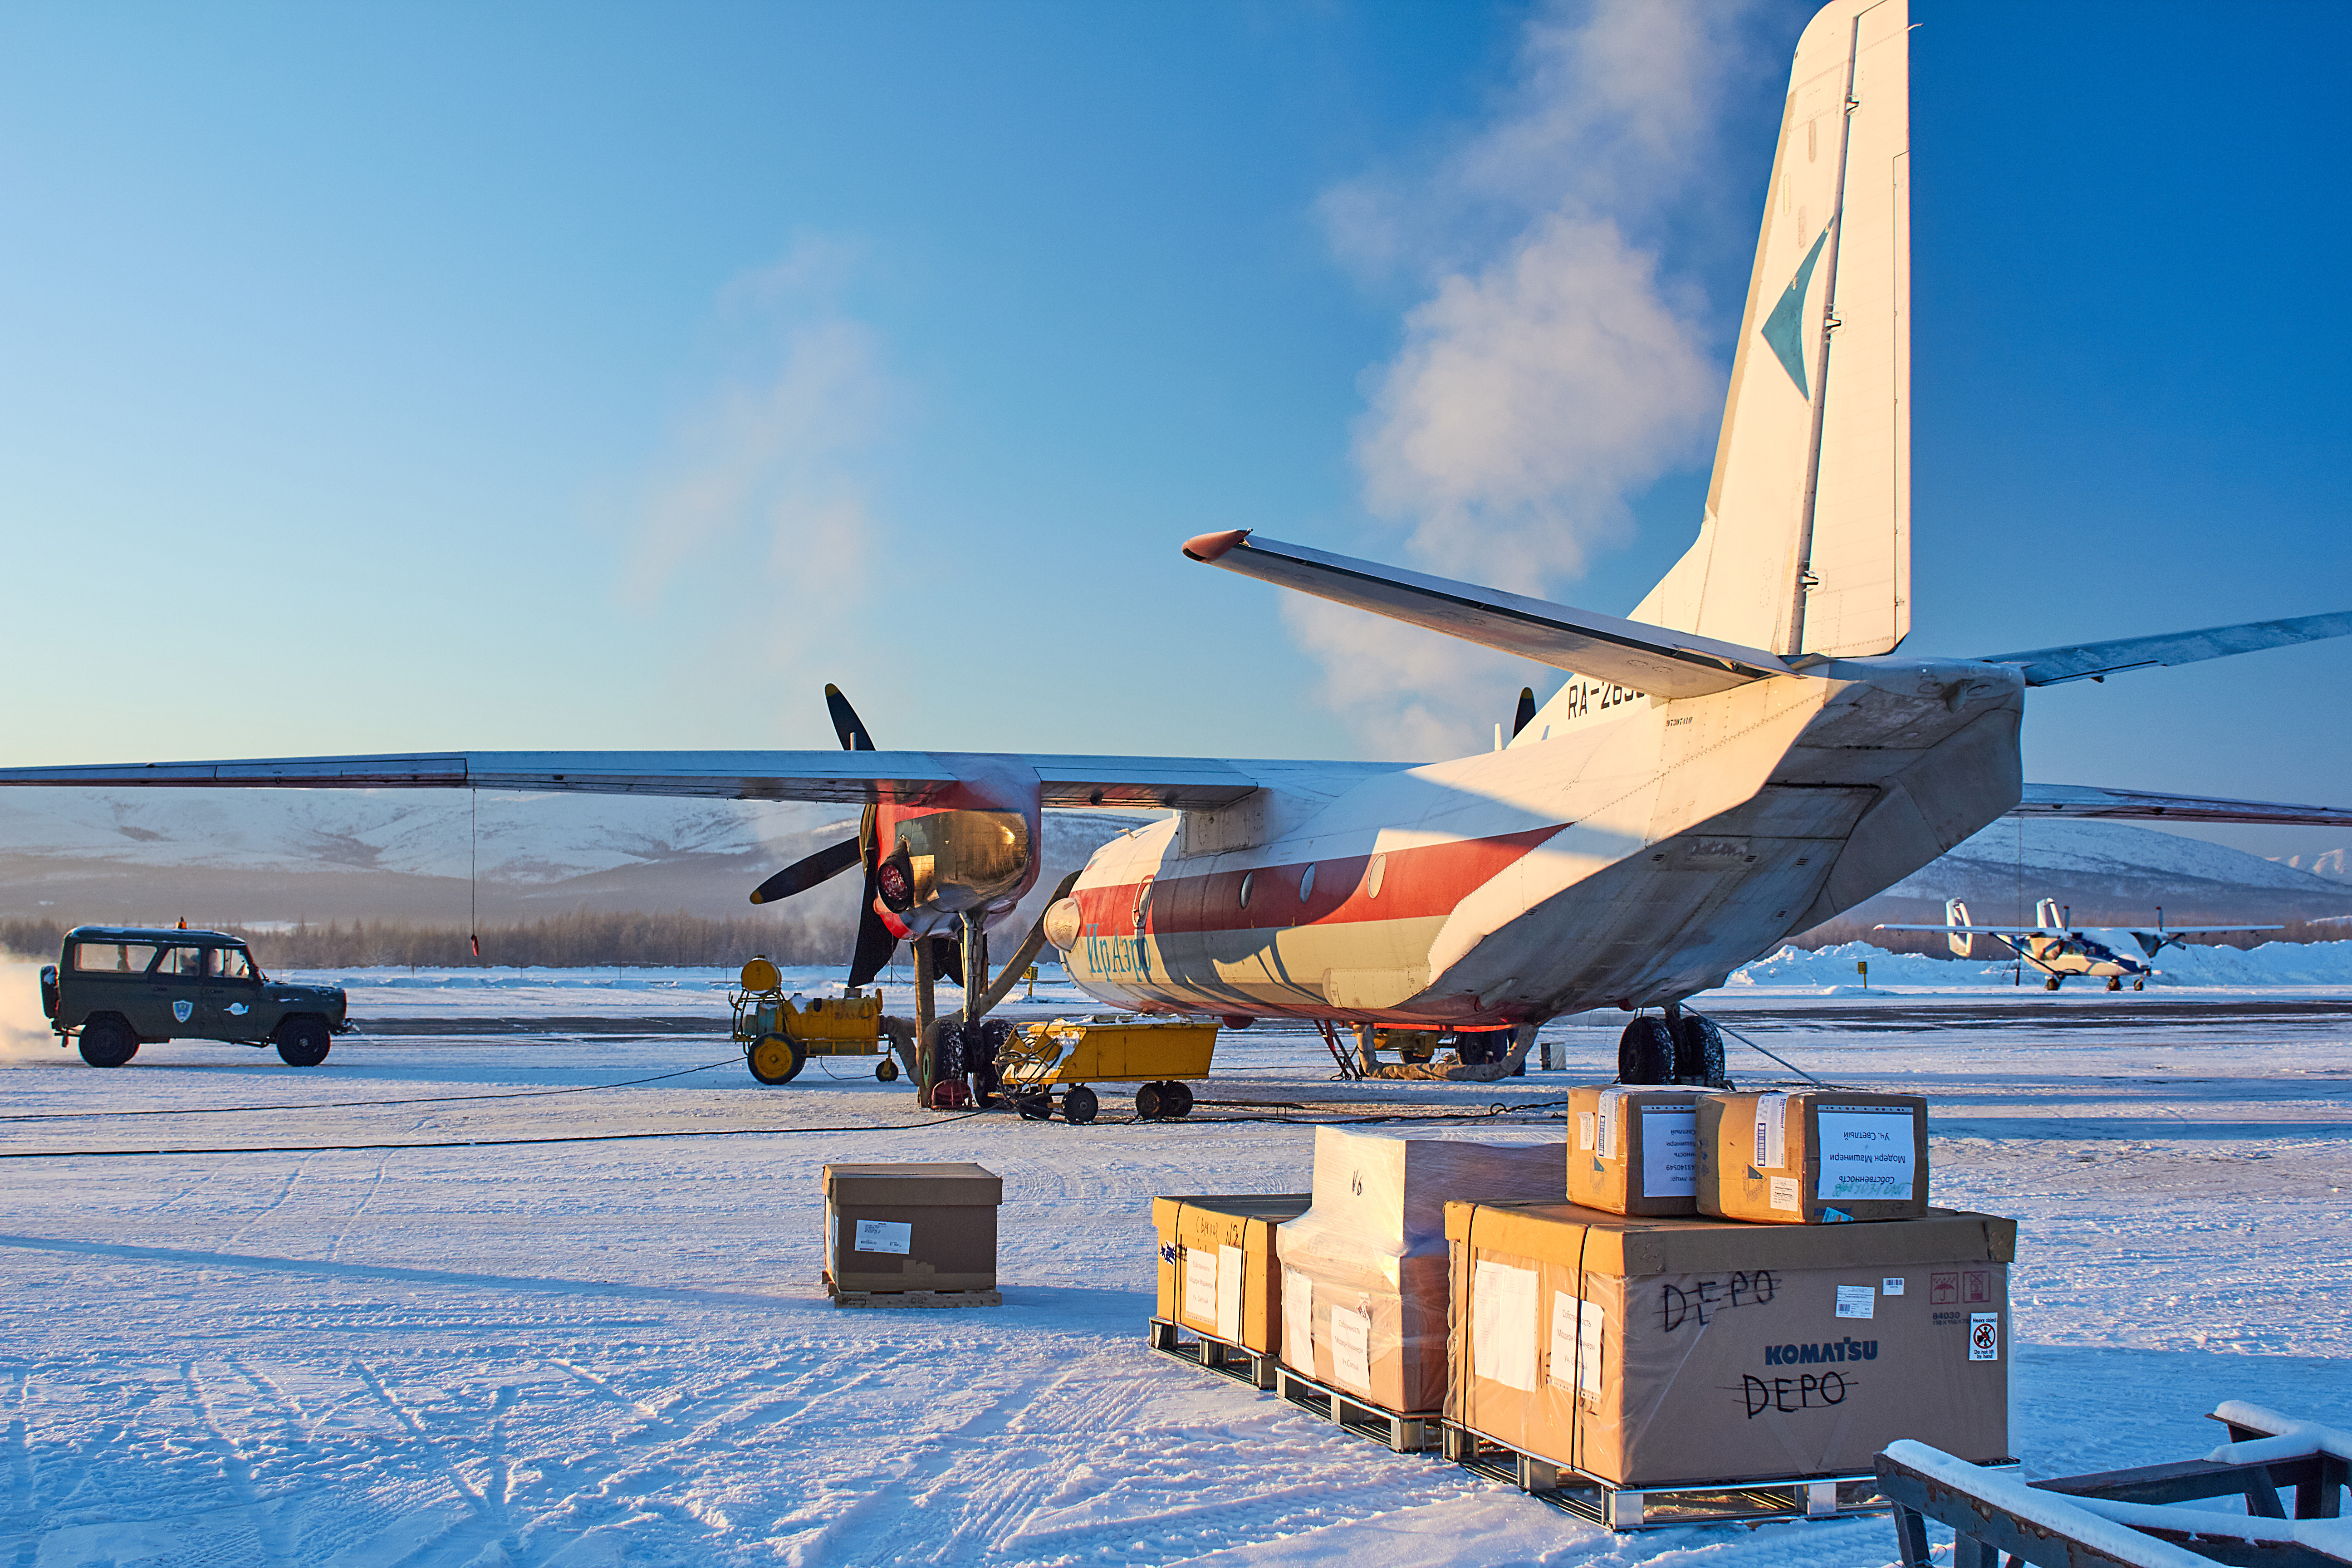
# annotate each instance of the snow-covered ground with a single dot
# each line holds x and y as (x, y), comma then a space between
(589, 1352)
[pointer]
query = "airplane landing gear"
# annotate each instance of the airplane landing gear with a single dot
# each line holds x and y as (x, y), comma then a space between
(2051, 984)
(1679, 1048)
(2115, 981)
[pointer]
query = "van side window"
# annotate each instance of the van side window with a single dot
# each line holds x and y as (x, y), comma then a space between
(231, 964)
(188, 962)
(113, 957)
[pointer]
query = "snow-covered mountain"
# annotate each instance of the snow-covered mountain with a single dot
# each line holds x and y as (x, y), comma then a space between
(422, 856)
(2108, 872)
(2327, 863)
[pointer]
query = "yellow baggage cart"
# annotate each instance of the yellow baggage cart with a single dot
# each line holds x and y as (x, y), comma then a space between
(1071, 1054)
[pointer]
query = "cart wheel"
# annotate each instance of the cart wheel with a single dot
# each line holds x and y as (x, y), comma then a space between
(1079, 1105)
(777, 1058)
(1180, 1098)
(1151, 1102)
(887, 1070)
(1033, 1106)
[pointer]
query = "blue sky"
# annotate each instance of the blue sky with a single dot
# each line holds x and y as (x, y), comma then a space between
(388, 377)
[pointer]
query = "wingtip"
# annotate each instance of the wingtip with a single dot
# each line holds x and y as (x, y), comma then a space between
(1210, 546)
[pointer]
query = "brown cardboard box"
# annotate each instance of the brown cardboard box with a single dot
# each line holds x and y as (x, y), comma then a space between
(1816, 1157)
(1364, 1271)
(1217, 1269)
(912, 1227)
(1665, 1351)
(1634, 1151)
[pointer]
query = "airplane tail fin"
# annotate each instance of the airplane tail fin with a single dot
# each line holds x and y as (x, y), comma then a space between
(1805, 546)
(2046, 915)
(1963, 943)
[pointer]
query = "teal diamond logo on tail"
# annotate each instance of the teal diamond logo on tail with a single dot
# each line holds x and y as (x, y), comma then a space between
(1781, 329)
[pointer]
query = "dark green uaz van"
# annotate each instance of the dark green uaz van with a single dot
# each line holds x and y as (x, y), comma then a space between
(115, 989)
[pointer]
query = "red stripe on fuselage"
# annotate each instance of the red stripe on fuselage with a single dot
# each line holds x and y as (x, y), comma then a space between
(1425, 879)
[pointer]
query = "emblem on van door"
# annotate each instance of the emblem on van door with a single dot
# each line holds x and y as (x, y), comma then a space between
(238, 1009)
(181, 1010)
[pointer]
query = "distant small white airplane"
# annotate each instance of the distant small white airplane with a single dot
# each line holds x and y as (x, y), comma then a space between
(1743, 757)
(2057, 949)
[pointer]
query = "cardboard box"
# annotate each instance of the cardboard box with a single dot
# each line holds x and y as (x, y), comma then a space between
(1818, 1157)
(1686, 1351)
(1633, 1150)
(1364, 1269)
(1217, 1268)
(912, 1227)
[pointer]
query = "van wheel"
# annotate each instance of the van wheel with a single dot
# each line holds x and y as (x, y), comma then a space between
(302, 1042)
(108, 1043)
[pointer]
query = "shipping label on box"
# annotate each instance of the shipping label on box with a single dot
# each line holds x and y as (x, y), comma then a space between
(1866, 1150)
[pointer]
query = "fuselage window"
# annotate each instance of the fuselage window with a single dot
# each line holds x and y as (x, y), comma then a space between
(1247, 878)
(1374, 875)
(1307, 884)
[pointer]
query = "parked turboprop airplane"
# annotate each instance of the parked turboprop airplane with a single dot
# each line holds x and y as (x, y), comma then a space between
(2057, 949)
(1745, 757)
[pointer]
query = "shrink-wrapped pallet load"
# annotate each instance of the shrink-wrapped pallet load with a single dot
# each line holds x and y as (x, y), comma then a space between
(1818, 1156)
(1364, 1271)
(1633, 1150)
(1654, 1352)
(1217, 1270)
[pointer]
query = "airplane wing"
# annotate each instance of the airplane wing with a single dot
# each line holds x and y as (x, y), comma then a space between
(1979, 930)
(847, 777)
(1632, 654)
(2140, 806)
(2097, 660)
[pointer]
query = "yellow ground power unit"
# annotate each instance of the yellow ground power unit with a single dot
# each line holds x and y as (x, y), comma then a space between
(778, 1033)
(1070, 1054)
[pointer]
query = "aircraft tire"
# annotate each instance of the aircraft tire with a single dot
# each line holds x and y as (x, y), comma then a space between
(2051, 984)
(1645, 1052)
(1698, 1051)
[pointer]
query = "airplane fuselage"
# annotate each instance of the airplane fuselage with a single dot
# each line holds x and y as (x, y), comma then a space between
(1622, 849)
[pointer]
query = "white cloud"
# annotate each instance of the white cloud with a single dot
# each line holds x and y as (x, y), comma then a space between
(1551, 367)
(765, 482)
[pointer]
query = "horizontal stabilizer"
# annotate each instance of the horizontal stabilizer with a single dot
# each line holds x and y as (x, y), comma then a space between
(853, 778)
(2096, 661)
(2139, 806)
(1654, 659)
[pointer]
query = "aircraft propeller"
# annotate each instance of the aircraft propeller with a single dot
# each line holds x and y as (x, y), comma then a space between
(876, 941)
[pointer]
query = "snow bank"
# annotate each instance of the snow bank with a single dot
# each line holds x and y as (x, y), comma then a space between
(1835, 966)
(2272, 964)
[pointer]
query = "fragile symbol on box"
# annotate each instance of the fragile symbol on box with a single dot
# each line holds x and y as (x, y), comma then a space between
(1984, 1336)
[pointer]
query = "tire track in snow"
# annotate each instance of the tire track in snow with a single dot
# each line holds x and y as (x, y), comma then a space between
(375, 1185)
(22, 1471)
(284, 1192)
(236, 1471)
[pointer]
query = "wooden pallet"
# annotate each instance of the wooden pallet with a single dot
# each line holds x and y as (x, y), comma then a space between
(1407, 1432)
(1612, 1507)
(911, 1298)
(1183, 1342)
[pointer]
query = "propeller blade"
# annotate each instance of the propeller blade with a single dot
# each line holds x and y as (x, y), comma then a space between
(875, 943)
(803, 874)
(1527, 709)
(845, 722)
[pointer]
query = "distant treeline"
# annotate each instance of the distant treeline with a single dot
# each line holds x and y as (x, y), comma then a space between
(579, 941)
